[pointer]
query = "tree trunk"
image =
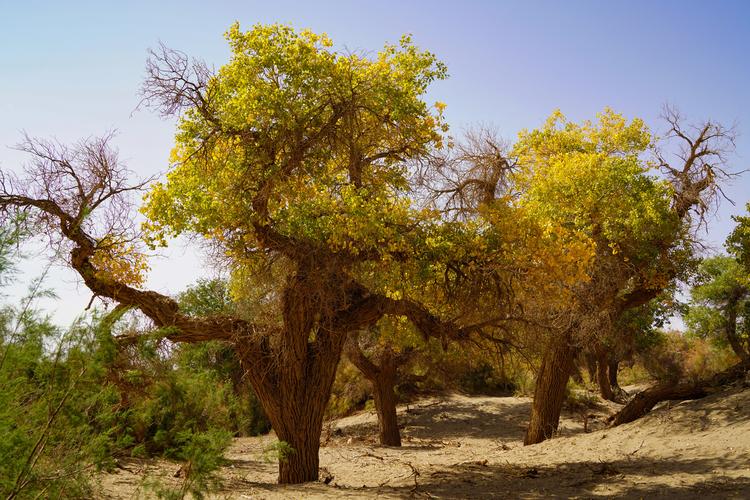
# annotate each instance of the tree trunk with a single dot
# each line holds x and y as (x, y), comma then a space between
(385, 403)
(301, 463)
(295, 399)
(730, 329)
(549, 394)
(621, 395)
(591, 366)
(383, 379)
(613, 367)
(602, 377)
(644, 401)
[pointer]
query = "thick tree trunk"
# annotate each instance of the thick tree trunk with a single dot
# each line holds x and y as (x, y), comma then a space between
(295, 397)
(549, 394)
(298, 422)
(296, 415)
(301, 463)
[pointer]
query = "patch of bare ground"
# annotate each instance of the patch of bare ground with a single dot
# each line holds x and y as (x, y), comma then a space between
(471, 447)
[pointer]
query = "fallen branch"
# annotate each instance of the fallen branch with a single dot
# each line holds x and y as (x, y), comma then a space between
(644, 401)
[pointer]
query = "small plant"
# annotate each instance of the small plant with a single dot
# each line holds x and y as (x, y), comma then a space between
(201, 454)
(278, 451)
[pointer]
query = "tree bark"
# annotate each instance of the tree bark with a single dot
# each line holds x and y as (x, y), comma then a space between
(620, 394)
(549, 394)
(383, 378)
(385, 402)
(602, 375)
(295, 399)
(613, 367)
(301, 464)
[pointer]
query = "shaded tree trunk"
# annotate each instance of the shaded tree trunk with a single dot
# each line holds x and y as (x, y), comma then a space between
(602, 375)
(613, 367)
(295, 403)
(383, 378)
(621, 395)
(385, 404)
(549, 394)
(301, 463)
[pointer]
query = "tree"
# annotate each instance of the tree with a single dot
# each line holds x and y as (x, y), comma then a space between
(597, 179)
(381, 353)
(718, 310)
(738, 241)
(291, 158)
(720, 304)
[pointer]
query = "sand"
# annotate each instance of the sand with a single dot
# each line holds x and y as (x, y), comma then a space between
(470, 447)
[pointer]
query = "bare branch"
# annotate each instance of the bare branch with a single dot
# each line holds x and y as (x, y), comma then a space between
(174, 83)
(702, 154)
(473, 173)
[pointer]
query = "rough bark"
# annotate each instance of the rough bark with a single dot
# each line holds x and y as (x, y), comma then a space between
(383, 378)
(644, 401)
(385, 404)
(549, 393)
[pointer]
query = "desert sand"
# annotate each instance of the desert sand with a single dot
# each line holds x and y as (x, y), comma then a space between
(471, 447)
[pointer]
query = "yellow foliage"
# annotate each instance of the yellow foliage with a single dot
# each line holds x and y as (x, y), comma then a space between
(120, 261)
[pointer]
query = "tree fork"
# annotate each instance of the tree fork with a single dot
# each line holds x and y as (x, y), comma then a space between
(383, 378)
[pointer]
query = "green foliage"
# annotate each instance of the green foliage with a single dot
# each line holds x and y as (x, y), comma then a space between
(482, 378)
(738, 242)
(350, 391)
(278, 451)
(218, 360)
(201, 454)
(675, 357)
(306, 141)
(71, 402)
(720, 296)
(592, 179)
(54, 410)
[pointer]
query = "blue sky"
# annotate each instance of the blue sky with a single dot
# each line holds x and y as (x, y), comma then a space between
(72, 69)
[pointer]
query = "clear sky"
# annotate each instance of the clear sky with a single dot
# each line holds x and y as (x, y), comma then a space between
(72, 69)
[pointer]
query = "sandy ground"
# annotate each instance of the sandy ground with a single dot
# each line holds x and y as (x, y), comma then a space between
(470, 447)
